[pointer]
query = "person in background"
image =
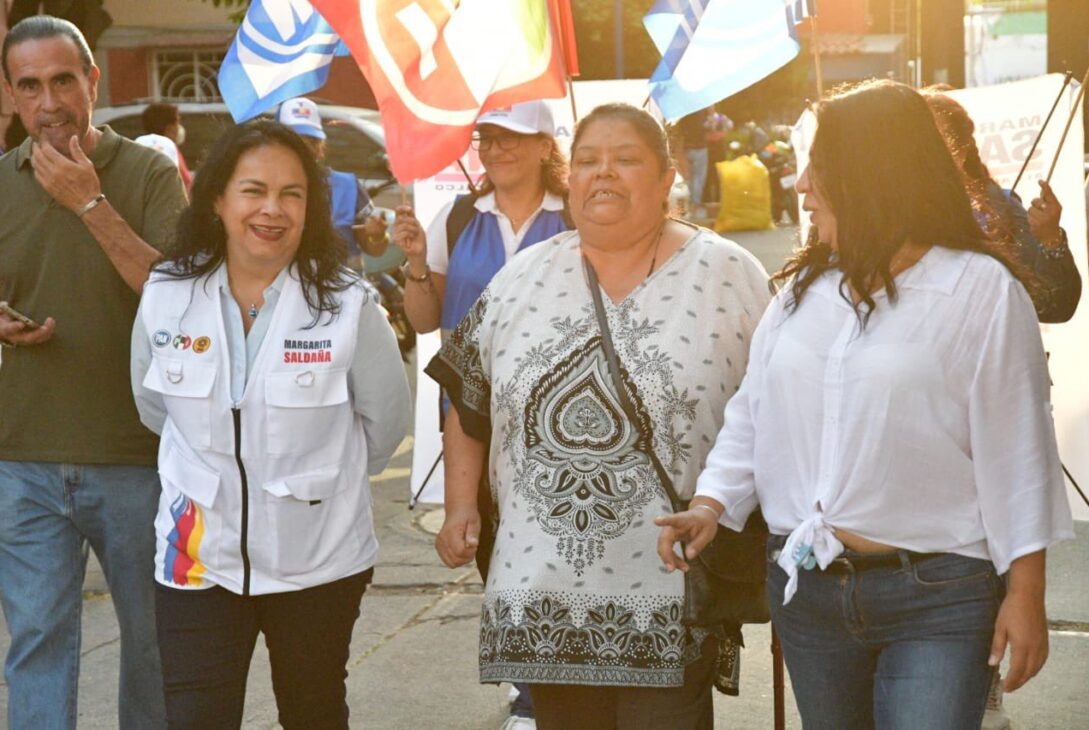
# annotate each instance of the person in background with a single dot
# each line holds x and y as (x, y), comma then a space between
(277, 386)
(895, 428)
(165, 120)
(692, 136)
(83, 215)
(159, 143)
(163, 145)
(354, 217)
(716, 125)
(519, 203)
(576, 603)
(1038, 241)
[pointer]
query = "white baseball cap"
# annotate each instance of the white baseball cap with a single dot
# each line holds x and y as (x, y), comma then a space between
(529, 117)
(159, 143)
(302, 116)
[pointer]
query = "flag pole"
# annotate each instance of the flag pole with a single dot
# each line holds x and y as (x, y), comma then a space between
(816, 40)
(571, 93)
(563, 26)
(1040, 134)
(468, 177)
(1070, 120)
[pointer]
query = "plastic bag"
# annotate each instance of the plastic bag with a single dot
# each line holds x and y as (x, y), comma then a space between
(746, 195)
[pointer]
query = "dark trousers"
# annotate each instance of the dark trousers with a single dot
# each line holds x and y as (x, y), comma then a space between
(206, 639)
(586, 707)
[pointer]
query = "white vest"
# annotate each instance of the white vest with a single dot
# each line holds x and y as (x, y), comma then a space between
(285, 503)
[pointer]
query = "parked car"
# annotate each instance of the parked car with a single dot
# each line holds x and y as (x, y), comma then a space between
(355, 138)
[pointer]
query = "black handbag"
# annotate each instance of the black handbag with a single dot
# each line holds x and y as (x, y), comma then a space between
(725, 583)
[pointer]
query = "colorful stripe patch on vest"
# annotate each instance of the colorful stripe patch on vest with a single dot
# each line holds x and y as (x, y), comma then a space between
(182, 564)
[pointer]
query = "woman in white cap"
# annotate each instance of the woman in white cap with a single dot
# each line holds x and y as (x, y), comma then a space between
(519, 203)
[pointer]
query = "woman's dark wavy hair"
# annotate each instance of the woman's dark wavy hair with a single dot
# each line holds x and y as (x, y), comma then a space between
(200, 244)
(883, 168)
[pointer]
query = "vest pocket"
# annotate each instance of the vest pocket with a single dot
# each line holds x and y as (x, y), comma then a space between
(186, 389)
(302, 407)
(189, 477)
(311, 521)
(311, 487)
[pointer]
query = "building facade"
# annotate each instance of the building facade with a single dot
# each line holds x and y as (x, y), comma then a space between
(170, 50)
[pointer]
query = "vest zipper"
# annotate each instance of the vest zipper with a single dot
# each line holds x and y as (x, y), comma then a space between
(244, 533)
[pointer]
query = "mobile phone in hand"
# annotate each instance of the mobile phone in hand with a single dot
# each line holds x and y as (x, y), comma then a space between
(31, 324)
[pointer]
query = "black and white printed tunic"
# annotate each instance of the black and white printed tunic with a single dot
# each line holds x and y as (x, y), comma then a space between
(576, 592)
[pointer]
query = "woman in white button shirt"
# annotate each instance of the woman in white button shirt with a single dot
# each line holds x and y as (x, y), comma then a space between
(895, 428)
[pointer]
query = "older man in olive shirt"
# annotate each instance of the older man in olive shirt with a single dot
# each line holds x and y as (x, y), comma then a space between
(82, 215)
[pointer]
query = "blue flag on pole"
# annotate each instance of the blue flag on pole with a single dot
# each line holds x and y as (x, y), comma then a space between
(283, 49)
(712, 49)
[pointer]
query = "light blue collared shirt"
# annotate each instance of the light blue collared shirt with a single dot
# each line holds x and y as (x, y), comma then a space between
(243, 347)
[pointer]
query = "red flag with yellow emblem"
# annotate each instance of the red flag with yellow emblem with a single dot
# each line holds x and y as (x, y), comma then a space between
(436, 65)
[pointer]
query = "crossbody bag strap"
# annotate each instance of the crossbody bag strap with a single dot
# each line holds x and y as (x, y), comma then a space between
(621, 391)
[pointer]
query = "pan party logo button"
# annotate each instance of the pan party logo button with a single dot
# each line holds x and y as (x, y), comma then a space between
(161, 338)
(201, 344)
(182, 342)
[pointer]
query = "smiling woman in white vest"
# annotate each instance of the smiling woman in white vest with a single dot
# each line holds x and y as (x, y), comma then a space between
(277, 387)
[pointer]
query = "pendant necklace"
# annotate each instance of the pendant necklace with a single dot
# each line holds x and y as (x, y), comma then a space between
(253, 311)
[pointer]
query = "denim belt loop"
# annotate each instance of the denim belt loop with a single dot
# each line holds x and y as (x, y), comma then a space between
(905, 560)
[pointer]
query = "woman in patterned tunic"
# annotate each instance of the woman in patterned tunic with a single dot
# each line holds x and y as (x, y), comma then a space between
(576, 603)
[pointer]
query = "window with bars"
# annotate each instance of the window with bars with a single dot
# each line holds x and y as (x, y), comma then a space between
(186, 74)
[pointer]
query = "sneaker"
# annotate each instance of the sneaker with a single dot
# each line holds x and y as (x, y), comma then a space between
(519, 723)
(995, 717)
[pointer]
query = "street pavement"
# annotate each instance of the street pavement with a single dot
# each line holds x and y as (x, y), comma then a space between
(413, 653)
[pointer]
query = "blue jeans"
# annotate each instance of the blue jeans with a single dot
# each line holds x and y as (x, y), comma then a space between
(697, 166)
(889, 647)
(48, 514)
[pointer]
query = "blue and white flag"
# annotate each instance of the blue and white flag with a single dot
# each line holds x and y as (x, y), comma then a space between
(283, 49)
(712, 49)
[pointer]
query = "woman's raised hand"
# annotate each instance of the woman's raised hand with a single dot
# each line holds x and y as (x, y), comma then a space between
(695, 527)
(1043, 216)
(409, 235)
